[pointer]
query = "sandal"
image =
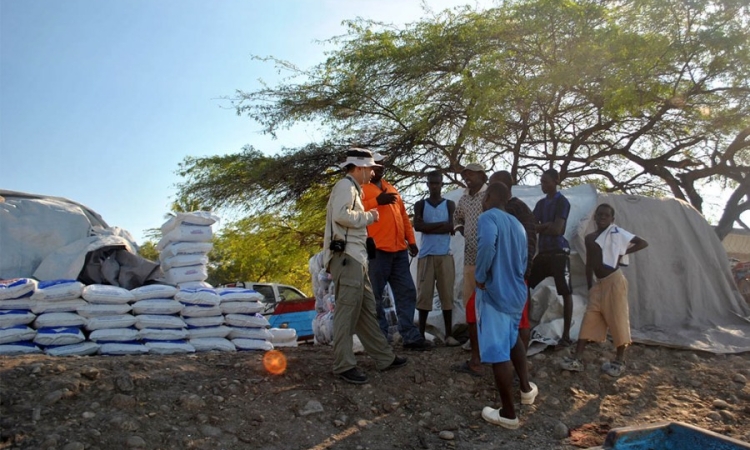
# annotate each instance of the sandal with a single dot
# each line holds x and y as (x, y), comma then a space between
(572, 364)
(465, 368)
(613, 368)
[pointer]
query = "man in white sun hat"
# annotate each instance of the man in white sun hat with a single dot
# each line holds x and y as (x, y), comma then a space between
(345, 257)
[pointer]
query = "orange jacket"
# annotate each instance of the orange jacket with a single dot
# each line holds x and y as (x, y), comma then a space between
(393, 229)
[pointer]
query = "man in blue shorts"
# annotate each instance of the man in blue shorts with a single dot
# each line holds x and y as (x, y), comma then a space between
(500, 299)
(553, 259)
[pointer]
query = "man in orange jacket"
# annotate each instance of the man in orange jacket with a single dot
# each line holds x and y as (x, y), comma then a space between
(394, 239)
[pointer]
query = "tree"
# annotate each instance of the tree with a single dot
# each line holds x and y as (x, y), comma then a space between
(270, 246)
(638, 96)
(148, 250)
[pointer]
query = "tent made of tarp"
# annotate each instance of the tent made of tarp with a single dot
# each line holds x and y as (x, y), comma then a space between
(49, 238)
(681, 290)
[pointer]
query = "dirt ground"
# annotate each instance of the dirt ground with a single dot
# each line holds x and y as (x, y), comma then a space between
(228, 401)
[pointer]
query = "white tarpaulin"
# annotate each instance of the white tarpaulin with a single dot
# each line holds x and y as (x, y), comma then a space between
(49, 238)
(33, 226)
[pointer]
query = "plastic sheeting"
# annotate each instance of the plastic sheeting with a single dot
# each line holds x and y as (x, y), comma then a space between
(681, 291)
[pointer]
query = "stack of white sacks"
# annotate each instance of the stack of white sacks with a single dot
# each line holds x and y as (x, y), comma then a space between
(109, 320)
(325, 302)
(184, 246)
(202, 313)
(64, 317)
(249, 328)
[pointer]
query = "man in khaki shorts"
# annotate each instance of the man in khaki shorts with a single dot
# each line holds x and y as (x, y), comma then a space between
(608, 297)
(433, 217)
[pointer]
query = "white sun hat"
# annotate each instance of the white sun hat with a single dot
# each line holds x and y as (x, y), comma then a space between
(359, 157)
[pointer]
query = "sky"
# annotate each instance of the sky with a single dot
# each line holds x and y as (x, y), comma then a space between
(101, 100)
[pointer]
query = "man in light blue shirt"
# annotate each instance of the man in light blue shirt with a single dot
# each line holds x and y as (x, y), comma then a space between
(500, 298)
(433, 217)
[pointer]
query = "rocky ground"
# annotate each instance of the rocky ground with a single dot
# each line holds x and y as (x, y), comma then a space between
(228, 401)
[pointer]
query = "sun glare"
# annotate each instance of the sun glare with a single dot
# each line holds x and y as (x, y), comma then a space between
(275, 362)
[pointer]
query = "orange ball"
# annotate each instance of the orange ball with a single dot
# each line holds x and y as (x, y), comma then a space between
(275, 362)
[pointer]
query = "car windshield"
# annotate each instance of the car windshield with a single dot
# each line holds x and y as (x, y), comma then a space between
(289, 294)
(266, 291)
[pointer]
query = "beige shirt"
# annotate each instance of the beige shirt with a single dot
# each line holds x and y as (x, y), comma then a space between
(346, 219)
(467, 214)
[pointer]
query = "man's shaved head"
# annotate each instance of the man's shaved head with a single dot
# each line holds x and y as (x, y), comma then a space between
(502, 176)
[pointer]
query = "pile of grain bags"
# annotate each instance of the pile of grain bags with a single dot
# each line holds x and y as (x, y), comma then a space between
(184, 246)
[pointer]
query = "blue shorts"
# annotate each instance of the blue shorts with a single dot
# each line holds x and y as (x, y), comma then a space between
(497, 332)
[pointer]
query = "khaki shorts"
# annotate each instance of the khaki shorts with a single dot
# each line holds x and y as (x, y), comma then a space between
(432, 270)
(607, 308)
(470, 283)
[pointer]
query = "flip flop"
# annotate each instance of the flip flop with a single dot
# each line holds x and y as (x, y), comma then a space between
(464, 368)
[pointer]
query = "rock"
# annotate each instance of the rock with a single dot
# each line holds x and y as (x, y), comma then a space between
(74, 446)
(338, 423)
(122, 401)
(542, 374)
(560, 431)
(36, 414)
(124, 383)
(88, 415)
(446, 435)
(552, 401)
(53, 397)
(50, 442)
(135, 441)
(92, 373)
(210, 431)
(727, 416)
(739, 378)
(312, 407)
(418, 377)
(696, 383)
(192, 402)
(714, 416)
(720, 404)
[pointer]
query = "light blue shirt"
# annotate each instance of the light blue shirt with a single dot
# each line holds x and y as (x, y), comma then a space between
(435, 244)
(501, 261)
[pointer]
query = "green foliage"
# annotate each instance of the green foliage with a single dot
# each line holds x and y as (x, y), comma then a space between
(266, 247)
(148, 250)
(636, 96)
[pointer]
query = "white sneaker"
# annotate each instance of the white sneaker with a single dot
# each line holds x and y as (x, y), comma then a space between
(493, 416)
(527, 398)
(467, 346)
